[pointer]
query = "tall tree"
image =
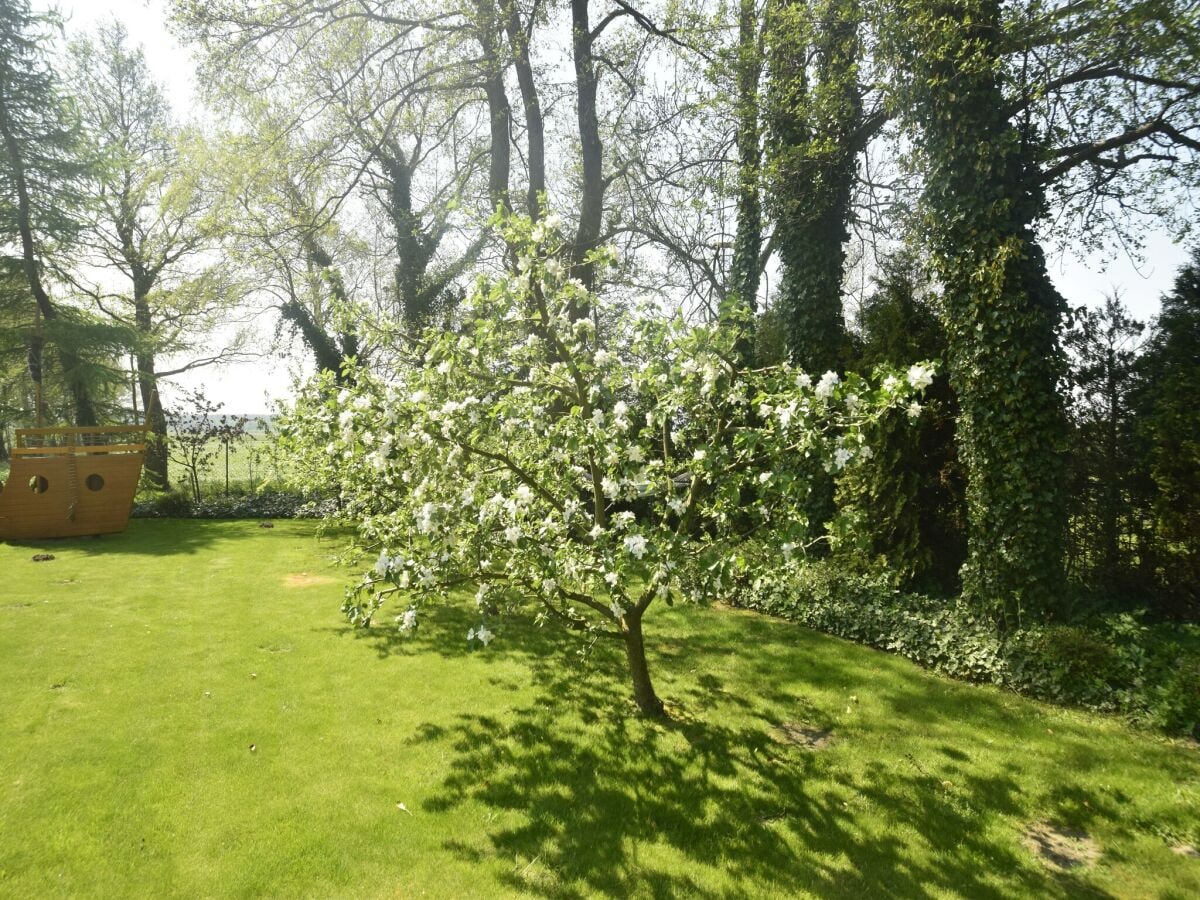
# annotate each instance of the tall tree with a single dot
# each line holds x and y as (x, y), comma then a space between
(1103, 345)
(43, 166)
(1001, 310)
(146, 260)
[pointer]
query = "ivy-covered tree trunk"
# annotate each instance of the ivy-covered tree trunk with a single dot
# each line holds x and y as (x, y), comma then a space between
(814, 110)
(745, 268)
(814, 113)
(1001, 310)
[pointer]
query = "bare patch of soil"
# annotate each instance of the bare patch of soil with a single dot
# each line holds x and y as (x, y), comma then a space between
(1060, 848)
(304, 579)
(1186, 850)
(801, 735)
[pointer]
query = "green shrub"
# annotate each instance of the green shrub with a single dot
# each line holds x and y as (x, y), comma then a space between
(265, 505)
(1112, 664)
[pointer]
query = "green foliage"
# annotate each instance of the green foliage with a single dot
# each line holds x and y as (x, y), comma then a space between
(905, 504)
(1112, 664)
(267, 504)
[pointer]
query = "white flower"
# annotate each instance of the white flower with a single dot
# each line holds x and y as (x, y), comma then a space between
(444, 367)
(549, 585)
(635, 546)
(623, 520)
(826, 384)
(788, 549)
(920, 377)
(891, 383)
(764, 477)
(841, 457)
(866, 453)
(803, 380)
(596, 531)
(611, 487)
(602, 357)
(617, 609)
(786, 413)
(699, 455)
(554, 268)
(677, 506)
(852, 402)
(635, 455)
(512, 534)
(408, 622)
(383, 563)
(914, 410)
(480, 634)
(524, 495)
(552, 221)
(611, 579)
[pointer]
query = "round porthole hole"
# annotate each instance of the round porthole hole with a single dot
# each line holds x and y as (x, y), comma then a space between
(38, 484)
(94, 482)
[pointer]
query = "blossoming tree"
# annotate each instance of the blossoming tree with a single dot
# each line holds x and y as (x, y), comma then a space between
(557, 451)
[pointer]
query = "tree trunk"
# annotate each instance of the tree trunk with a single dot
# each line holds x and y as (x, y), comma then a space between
(499, 111)
(156, 465)
(747, 242)
(635, 649)
(591, 202)
(535, 130)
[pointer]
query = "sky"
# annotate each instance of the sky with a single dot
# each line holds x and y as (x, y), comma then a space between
(248, 387)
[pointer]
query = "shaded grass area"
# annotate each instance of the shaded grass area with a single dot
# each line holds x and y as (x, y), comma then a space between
(137, 673)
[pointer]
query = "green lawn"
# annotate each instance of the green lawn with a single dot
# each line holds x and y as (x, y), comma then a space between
(186, 714)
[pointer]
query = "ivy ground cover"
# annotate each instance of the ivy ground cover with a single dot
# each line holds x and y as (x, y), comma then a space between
(186, 713)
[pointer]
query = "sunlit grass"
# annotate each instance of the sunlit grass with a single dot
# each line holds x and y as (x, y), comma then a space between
(186, 714)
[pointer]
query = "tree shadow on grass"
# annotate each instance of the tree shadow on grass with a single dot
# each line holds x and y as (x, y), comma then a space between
(156, 537)
(587, 798)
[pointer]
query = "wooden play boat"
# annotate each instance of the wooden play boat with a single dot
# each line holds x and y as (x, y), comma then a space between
(70, 482)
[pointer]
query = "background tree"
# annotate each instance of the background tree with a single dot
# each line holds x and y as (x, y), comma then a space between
(1167, 409)
(1109, 508)
(43, 168)
(145, 258)
(905, 504)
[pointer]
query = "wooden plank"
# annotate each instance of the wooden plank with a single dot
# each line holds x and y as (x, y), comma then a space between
(79, 450)
(84, 429)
